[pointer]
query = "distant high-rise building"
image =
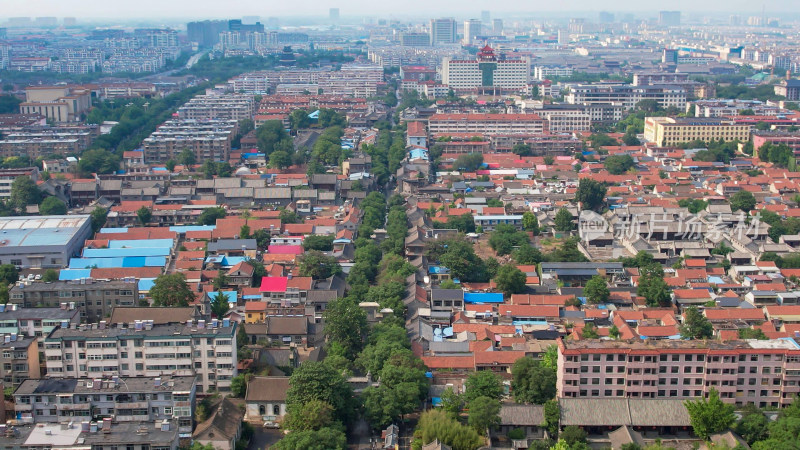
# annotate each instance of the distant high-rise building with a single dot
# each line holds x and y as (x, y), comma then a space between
(250, 20)
(3, 33)
(497, 26)
(486, 17)
(605, 17)
(206, 33)
(443, 31)
(472, 29)
(47, 21)
(669, 56)
(70, 21)
(669, 18)
(735, 20)
(414, 39)
(333, 14)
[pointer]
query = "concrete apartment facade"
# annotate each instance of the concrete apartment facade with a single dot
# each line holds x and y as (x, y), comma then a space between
(206, 351)
(94, 299)
(487, 123)
(127, 399)
(765, 373)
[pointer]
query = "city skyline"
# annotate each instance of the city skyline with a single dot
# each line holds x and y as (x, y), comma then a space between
(184, 9)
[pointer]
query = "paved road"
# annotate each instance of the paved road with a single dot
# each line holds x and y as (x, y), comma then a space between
(264, 438)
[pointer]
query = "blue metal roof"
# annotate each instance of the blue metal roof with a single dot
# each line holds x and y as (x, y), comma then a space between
(184, 229)
(124, 252)
(128, 261)
(230, 295)
(74, 274)
(481, 297)
(145, 284)
(140, 243)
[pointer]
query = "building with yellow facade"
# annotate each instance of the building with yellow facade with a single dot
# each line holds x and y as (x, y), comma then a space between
(670, 131)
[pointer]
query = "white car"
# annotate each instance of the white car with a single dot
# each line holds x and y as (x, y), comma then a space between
(38, 277)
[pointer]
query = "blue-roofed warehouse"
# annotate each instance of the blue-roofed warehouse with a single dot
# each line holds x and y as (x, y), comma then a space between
(42, 242)
(483, 297)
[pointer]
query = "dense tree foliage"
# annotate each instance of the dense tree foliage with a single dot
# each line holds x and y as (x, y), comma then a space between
(171, 290)
(695, 325)
(711, 415)
(532, 381)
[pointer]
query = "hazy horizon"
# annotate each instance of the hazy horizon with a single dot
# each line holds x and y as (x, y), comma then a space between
(188, 9)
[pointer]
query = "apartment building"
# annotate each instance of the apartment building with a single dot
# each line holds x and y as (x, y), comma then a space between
(219, 106)
(127, 399)
(651, 78)
(205, 350)
(566, 120)
(36, 322)
(728, 108)
(487, 70)
(542, 73)
(57, 103)
(765, 373)
(355, 80)
(94, 299)
(626, 95)
(7, 177)
(443, 31)
(208, 140)
(19, 359)
(791, 139)
(487, 123)
(669, 131)
(35, 142)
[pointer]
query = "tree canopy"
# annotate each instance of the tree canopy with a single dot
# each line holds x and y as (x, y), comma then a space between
(171, 290)
(711, 415)
(532, 381)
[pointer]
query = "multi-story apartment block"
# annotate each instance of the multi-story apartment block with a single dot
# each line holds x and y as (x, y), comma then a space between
(34, 142)
(728, 108)
(792, 139)
(217, 106)
(126, 399)
(19, 359)
(546, 72)
(356, 80)
(57, 103)
(93, 298)
(487, 123)
(626, 95)
(765, 373)
(7, 177)
(206, 351)
(651, 78)
(487, 70)
(36, 322)
(209, 140)
(789, 89)
(668, 131)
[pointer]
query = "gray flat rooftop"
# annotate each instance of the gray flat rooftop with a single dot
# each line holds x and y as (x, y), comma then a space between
(125, 384)
(171, 330)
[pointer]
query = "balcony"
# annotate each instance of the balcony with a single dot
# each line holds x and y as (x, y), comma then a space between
(23, 407)
(131, 405)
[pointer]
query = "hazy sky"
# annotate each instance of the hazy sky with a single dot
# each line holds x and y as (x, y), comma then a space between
(459, 8)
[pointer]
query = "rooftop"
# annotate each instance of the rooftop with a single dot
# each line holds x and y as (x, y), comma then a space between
(123, 384)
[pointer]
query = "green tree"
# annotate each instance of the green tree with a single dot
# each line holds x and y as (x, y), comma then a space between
(563, 220)
(50, 275)
(9, 104)
(552, 415)
(144, 215)
(436, 424)
(532, 381)
(711, 415)
(451, 401)
(596, 290)
(9, 273)
(590, 331)
(468, 162)
(695, 325)
(322, 439)
(170, 165)
(52, 206)
(23, 193)
(652, 287)
(98, 161)
(312, 415)
(244, 232)
(743, 200)
(280, 159)
(522, 149)
(618, 164)
(591, 194)
(530, 222)
(753, 424)
(510, 280)
(171, 290)
(318, 265)
(573, 435)
(289, 216)
(318, 381)
(319, 242)
(346, 324)
(187, 158)
(483, 383)
(98, 217)
(219, 305)
(527, 254)
(209, 216)
(239, 385)
(752, 333)
(484, 414)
